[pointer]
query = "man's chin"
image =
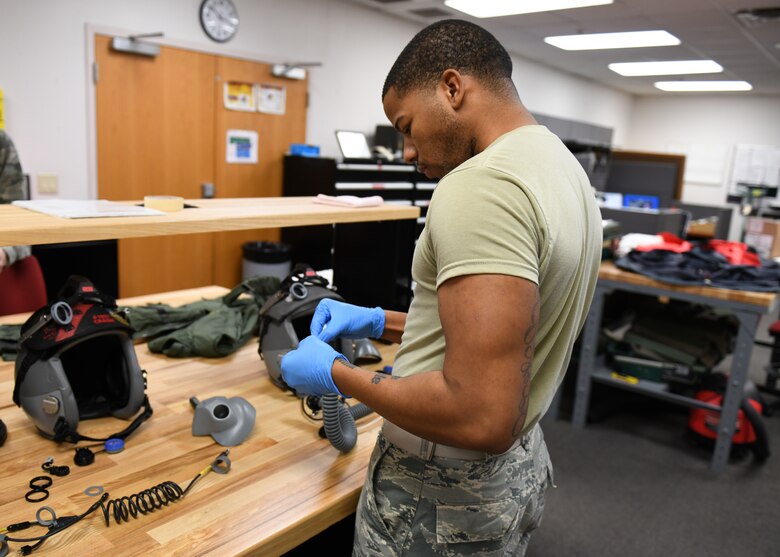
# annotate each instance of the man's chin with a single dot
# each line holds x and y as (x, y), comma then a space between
(430, 174)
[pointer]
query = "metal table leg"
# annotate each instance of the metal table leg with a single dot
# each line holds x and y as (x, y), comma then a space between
(748, 325)
(590, 338)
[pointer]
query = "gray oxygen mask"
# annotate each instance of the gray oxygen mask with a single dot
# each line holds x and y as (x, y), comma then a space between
(228, 420)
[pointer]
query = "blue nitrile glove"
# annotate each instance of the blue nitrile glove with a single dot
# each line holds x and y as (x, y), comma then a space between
(334, 319)
(307, 369)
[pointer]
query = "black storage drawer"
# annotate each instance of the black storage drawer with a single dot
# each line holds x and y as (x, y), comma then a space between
(371, 262)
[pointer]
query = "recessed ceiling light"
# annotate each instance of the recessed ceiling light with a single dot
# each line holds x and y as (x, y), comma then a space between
(496, 8)
(674, 67)
(703, 85)
(599, 41)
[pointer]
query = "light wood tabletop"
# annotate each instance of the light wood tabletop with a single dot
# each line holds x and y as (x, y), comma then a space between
(20, 226)
(286, 484)
(608, 271)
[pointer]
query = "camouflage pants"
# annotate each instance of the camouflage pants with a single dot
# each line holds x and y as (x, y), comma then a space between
(449, 507)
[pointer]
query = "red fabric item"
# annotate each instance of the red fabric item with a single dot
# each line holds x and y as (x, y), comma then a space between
(670, 243)
(705, 422)
(735, 252)
(22, 288)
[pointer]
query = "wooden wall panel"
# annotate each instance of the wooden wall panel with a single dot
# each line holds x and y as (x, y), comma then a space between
(155, 124)
(161, 130)
(275, 134)
(149, 265)
(155, 136)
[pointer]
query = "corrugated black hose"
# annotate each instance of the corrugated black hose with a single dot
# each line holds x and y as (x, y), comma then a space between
(339, 419)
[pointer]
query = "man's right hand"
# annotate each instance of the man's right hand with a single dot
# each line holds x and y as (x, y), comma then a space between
(333, 319)
(3, 260)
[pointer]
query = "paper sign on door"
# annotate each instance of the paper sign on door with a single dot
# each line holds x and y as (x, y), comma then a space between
(241, 147)
(271, 99)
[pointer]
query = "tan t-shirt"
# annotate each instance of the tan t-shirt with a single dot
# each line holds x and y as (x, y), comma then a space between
(522, 207)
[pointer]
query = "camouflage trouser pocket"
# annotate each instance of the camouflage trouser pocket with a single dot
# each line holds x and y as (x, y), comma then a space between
(475, 523)
(489, 508)
(371, 534)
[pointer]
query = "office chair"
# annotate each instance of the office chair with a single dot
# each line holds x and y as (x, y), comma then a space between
(22, 288)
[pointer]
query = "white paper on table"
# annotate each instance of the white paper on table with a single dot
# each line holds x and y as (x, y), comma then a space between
(85, 208)
(349, 200)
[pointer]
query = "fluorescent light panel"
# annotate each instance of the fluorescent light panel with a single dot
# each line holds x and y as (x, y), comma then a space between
(601, 41)
(497, 8)
(674, 67)
(703, 85)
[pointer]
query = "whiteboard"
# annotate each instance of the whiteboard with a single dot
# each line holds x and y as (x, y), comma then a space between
(755, 164)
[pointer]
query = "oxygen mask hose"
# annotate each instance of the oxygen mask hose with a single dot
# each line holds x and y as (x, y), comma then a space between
(340, 427)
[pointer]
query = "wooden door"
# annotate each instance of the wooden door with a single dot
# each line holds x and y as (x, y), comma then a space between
(155, 136)
(275, 134)
(161, 130)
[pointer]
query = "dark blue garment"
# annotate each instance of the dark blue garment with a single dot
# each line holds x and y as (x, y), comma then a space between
(702, 267)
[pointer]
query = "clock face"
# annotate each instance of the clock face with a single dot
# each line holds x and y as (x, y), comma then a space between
(219, 19)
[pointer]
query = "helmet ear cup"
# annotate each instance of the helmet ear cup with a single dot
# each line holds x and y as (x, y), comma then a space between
(46, 396)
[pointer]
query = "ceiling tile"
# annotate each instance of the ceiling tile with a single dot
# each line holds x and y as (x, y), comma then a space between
(707, 28)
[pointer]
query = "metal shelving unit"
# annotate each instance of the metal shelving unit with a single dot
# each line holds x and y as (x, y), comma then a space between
(748, 307)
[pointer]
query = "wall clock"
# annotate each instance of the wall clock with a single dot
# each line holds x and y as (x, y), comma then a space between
(219, 19)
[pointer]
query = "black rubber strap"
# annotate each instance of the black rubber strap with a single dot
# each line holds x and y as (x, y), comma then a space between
(63, 432)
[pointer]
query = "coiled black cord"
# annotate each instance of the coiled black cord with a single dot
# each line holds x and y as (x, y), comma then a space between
(122, 509)
(143, 502)
(157, 497)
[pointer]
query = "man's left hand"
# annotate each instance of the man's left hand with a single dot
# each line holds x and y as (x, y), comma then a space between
(307, 369)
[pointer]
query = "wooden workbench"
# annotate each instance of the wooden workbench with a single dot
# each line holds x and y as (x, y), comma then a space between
(22, 226)
(610, 272)
(286, 484)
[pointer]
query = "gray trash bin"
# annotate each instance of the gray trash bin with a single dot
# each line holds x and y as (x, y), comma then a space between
(266, 259)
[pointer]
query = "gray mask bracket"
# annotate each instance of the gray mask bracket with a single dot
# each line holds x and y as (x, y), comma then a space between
(228, 420)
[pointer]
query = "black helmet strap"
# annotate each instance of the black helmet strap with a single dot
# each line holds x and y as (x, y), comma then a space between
(63, 431)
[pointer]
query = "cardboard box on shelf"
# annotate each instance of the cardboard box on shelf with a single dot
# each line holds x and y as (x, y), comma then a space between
(763, 235)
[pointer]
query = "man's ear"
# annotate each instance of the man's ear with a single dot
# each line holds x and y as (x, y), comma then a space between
(452, 86)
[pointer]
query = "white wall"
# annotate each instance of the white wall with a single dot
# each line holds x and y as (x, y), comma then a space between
(709, 126)
(713, 123)
(564, 95)
(43, 69)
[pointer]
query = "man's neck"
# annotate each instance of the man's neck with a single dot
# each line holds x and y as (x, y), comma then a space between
(501, 121)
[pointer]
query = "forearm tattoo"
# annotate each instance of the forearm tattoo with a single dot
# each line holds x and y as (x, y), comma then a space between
(379, 377)
(525, 368)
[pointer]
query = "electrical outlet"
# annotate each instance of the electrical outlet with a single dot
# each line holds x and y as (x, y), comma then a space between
(47, 183)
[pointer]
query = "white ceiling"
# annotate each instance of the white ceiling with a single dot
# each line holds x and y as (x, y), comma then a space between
(708, 29)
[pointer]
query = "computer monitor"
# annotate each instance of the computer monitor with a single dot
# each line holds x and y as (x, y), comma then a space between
(650, 174)
(353, 145)
(387, 136)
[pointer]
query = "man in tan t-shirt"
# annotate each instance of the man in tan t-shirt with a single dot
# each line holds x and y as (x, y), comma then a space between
(505, 270)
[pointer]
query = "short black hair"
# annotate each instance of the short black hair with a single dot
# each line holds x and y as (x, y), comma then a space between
(455, 44)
